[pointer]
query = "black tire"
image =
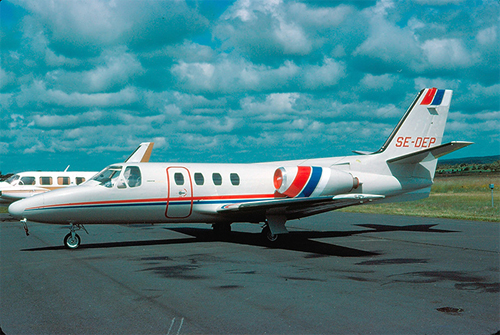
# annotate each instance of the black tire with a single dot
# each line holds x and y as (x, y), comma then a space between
(72, 243)
(269, 236)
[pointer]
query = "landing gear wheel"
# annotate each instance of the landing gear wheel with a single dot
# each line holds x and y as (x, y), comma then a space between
(72, 242)
(269, 235)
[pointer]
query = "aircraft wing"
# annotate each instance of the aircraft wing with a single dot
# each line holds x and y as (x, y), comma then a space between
(141, 154)
(300, 207)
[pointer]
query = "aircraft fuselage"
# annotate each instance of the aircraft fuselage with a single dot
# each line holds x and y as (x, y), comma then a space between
(173, 193)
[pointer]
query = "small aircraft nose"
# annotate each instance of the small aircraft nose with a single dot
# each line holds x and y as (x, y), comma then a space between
(16, 209)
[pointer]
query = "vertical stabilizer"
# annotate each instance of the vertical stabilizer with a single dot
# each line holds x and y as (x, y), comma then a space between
(422, 126)
(141, 154)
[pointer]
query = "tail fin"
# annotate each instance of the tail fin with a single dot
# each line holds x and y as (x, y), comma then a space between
(414, 145)
(422, 126)
(141, 154)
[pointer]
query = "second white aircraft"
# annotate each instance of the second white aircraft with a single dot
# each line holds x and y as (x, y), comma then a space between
(272, 193)
(29, 183)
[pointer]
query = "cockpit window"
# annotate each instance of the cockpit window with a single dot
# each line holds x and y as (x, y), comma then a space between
(13, 179)
(133, 176)
(107, 177)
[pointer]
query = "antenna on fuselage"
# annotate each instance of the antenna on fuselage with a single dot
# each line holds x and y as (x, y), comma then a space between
(66, 170)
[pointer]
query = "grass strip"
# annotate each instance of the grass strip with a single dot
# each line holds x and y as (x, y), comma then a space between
(462, 197)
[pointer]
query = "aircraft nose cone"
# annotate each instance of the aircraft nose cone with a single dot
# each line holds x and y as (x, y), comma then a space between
(16, 209)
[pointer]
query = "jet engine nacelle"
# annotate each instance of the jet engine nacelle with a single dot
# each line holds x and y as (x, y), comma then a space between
(304, 181)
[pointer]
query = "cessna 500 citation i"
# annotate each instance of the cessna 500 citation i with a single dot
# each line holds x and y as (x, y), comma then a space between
(274, 192)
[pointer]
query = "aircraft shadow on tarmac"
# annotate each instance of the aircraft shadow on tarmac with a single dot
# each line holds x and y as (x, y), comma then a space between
(294, 241)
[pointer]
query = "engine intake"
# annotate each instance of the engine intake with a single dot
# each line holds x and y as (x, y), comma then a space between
(306, 181)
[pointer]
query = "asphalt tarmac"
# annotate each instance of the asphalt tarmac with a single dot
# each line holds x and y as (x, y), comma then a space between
(336, 273)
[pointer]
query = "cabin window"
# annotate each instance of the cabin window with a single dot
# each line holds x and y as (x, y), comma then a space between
(199, 179)
(108, 176)
(27, 181)
(217, 178)
(45, 180)
(235, 179)
(62, 180)
(80, 180)
(179, 178)
(133, 176)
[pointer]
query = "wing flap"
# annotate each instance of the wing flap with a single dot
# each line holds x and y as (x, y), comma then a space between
(304, 206)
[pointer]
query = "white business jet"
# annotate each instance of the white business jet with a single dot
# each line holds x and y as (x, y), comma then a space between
(272, 193)
(27, 184)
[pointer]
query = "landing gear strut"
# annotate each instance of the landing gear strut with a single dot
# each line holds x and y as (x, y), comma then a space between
(274, 226)
(268, 234)
(72, 240)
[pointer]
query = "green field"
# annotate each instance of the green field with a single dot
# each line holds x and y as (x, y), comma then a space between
(459, 197)
(466, 197)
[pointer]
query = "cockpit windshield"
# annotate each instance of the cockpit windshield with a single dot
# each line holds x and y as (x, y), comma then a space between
(107, 176)
(13, 179)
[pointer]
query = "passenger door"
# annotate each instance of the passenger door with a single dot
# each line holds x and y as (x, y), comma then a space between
(179, 193)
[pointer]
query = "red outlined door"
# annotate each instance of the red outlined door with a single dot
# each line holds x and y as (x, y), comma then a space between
(179, 193)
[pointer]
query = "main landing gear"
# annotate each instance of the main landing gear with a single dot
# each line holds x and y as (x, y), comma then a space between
(72, 240)
(266, 232)
(274, 227)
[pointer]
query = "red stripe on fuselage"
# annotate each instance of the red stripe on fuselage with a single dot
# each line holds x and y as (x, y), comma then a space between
(206, 198)
(299, 182)
(429, 96)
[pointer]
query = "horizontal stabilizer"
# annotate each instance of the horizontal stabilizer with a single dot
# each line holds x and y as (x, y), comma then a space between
(435, 152)
(141, 154)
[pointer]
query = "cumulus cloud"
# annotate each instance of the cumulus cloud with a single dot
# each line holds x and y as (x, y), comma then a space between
(8, 78)
(265, 30)
(91, 26)
(114, 69)
(36, 94)
(65, 121)
(272, 108)
(447, 53)
(228, 76)
(487, 36)
(325, 75)
(391, 45)
(383, 82)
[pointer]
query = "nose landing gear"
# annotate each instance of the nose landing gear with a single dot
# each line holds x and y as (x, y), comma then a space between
(72, 240)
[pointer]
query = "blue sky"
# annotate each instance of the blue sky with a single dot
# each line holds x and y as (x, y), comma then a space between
(82, 83)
